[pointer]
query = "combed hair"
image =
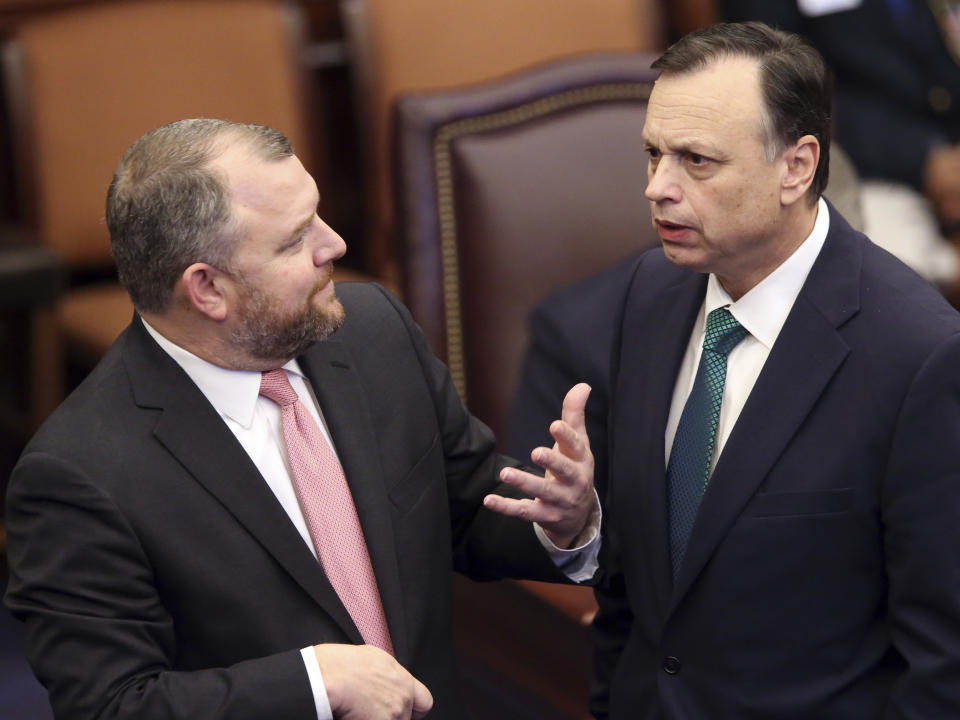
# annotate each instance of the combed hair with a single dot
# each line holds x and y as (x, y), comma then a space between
(167, 208)
(796, 84)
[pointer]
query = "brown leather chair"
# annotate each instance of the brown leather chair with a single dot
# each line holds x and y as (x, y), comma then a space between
(504, 193)
(85, 82)
(508, 191)
(32, 278)
(413, 45)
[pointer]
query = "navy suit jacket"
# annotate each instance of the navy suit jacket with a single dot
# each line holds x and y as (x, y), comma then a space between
(821, 580)
(159, 577)
(821, 577)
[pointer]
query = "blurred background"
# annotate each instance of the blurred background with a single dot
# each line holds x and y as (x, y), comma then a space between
(464, 149)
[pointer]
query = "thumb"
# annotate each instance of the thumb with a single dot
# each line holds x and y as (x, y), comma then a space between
(422, 700)
(574, 405)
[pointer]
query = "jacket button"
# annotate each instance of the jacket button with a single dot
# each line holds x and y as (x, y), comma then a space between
(671, 665)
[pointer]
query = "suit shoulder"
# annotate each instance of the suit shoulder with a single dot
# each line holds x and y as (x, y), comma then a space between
(600, 296)
(592, 294)
(365, 296)
(897, 296)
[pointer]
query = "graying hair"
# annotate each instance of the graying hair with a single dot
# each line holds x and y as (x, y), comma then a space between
(167, 208)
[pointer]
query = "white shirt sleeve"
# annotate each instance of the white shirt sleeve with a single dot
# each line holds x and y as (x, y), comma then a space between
(320, 698)
(579, 563)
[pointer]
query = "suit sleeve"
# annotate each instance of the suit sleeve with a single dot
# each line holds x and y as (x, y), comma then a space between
(610, 629)
(486, 545)
(97, 634)
(920, 504)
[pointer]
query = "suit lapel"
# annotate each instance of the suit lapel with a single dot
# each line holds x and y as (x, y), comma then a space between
(648, 378)
(806, 355)
(191, 429)
(343, 400)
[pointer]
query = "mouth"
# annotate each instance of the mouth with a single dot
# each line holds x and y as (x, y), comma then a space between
(324, 285)
(671, 231)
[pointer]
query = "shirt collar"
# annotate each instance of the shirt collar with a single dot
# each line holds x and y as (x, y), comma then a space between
(764, 308)
(232, 393)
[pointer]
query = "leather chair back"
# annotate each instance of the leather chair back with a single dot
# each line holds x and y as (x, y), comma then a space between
(415, 45)
(85, 82)
(508, 191)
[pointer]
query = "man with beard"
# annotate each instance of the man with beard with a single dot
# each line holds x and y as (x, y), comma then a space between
(251, 507)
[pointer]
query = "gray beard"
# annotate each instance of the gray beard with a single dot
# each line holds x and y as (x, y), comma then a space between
(265, 334)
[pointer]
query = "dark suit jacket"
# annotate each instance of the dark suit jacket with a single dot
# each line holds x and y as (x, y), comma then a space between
(891, 65)
(159, 577)
(821, 577)
(571, 337)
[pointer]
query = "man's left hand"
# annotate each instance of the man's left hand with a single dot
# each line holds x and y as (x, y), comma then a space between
(563, 499)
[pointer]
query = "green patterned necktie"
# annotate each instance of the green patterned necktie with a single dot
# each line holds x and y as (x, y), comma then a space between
(689, 467)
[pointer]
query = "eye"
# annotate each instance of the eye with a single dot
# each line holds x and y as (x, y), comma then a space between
(294, 244)
(653, 153)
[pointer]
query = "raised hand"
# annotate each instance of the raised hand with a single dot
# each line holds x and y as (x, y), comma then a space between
(563, 499)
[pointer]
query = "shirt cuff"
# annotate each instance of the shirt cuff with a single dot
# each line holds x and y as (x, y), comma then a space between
(320, 698)
(579, 563)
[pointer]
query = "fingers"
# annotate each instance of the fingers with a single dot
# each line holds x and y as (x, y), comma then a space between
(525, 509)
(363, 681)
(551, 496)
(563, 497)
(570, 432)
(532, 484)
(574, 405)
(422, 700)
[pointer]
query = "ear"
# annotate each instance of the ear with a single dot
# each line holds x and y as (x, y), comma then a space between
(206, 289)
(801, 161)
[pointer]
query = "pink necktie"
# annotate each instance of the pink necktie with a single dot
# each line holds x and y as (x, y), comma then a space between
(329, 510)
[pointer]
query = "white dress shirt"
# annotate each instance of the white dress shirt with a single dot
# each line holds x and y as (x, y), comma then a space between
(762, 311)
(256, 423)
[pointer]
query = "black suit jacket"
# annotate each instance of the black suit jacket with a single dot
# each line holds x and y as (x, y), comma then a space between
(159, 577)
(821, 579)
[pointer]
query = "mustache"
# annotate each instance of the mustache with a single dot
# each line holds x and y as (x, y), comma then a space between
(322, 283)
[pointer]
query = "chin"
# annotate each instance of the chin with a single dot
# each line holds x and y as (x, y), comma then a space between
(684, 257)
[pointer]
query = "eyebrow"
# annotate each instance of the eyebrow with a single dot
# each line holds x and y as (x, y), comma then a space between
(295, 233)
(300, 228)
(691, 147)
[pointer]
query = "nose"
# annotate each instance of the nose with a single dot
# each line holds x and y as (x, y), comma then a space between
(329, 247)
(662, 183)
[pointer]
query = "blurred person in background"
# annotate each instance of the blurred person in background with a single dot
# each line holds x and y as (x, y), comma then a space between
(897, 68)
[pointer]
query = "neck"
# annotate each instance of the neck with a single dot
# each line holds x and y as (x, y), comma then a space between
(207, 340)
(797, 224)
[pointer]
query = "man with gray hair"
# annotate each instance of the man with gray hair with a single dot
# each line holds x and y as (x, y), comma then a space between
(250, 509)
(783, 495)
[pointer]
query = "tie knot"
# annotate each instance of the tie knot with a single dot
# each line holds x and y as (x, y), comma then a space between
(275, 386)
(723, 332)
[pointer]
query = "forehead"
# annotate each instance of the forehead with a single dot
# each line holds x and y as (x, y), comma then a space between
(266, 188)
(720, 103)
